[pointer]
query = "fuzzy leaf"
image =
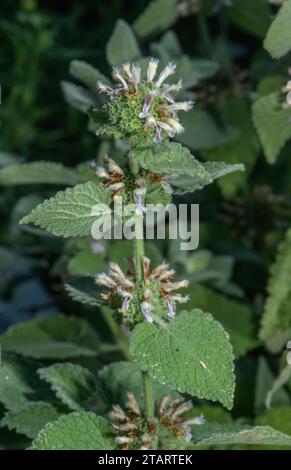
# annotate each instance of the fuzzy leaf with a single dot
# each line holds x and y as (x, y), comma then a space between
(191, 71)
(78, 97)
(87, 74)
(30, 419)
(204, 68)
(38, 173)
(186, 184)
(19, 383)
(85, 290)
(71, 213)
(219, 169)
(122, 45)
(184, 355)
(245, 149)
(24, 205)
(276, 320)
(156, 194)
(278, 39)
(273, 124)
(236, 318)
(73, 385)
(77, 431)
(171, 159)
(252, 16)
(157, 16)
(51, 337)
(278, 418)
(226, 434)
(202, 132)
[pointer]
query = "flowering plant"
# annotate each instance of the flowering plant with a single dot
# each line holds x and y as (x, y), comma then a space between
(144, 299)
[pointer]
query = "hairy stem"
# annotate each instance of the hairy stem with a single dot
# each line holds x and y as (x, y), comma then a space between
(138, 246)
(138, 254)
(148, 395)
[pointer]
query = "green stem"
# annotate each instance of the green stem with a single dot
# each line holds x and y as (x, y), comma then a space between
(148, 395)
(138, 254)
(138, 240)
(139, 246)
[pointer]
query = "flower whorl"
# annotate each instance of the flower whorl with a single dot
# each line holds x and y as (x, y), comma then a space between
(144, 107)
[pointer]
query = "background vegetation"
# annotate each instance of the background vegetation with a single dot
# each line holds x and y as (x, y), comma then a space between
(235, 68)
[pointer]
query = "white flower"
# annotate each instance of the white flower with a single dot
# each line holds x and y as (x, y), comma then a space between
(104, 88)
(287, 90)
(159, 109)
(177, 128)
(180, 106)
(152, 69)
(113, 179)
(146, 309)
(199, 420)
(136, 71)
(127, 70)
(168, 70)
(117, 75)
(147, 104)
(163, 276)
(138, 195)
(171, 413)
(171, 309)
(133, 429)
(123, 284)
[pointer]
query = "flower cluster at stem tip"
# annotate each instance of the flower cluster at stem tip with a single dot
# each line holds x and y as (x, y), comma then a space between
(142, 109)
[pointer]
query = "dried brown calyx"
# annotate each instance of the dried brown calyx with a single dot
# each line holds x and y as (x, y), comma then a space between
(136, 431)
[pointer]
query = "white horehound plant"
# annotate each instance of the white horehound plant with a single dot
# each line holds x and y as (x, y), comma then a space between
(186, 351)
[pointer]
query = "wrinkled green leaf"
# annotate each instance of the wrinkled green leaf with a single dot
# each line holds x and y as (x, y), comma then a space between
(51, 337)
(87, 74)
(78, 97)
(184, 355)
(276, 321)
(202, 132)
(77, 431)
(252, 16)
(85, 290)
(158, 15)
(122, 46)
(19, 383)
(74, 385)
(225, 434)
(38, 173)
(30, 419)
(72, 212)
(236, 318)
(273, 124)
(278, 39)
